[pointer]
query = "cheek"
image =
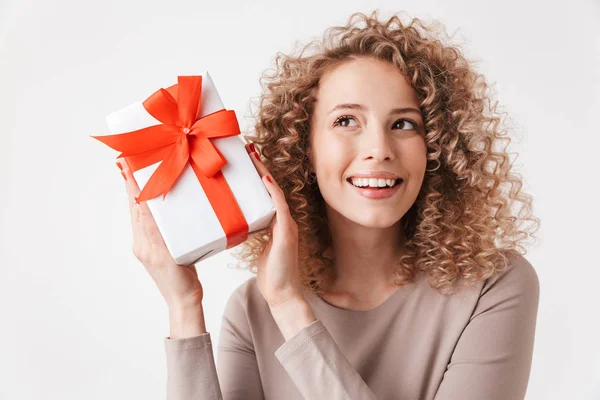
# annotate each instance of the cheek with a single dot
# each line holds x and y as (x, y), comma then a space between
(415, 157)
(332, 160)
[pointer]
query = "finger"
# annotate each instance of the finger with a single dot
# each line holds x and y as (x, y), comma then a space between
(260, 166)
(131, 185)
(257, 164)
(275, 191)
(254, 158)
(282, 208)
(133, 190)
(263, 170)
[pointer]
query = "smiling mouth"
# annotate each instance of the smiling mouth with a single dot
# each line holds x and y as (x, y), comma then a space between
(396, 183)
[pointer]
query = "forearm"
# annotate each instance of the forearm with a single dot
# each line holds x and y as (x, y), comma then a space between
(186, 320)
(308, 342)
(191, 369)
(292, 317)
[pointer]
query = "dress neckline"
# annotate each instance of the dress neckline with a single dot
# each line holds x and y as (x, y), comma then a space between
(388, 306)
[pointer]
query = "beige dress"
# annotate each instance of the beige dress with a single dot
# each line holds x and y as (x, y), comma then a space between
(474, 345)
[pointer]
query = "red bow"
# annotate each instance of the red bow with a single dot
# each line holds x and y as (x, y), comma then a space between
(181, 139)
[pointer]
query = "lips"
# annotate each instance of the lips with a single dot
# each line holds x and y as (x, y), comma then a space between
(396, 182)
(378, 193)
(375, 174)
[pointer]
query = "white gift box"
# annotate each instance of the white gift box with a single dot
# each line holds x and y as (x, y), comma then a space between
(185, 217)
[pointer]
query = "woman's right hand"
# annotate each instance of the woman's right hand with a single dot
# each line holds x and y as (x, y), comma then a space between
(178, 284)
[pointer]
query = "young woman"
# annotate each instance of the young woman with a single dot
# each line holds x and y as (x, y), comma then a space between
(392, 268)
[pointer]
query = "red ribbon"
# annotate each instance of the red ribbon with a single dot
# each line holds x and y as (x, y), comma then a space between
(182, 138)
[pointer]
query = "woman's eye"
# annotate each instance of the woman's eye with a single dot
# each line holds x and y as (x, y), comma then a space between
(403, 122)
(341, 119)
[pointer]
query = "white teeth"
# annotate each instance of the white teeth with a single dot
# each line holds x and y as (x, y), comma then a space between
(372, 182)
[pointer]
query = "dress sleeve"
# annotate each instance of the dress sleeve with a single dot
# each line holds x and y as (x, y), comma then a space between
(192, 373)
(236, 358)
(492, 358)
(318, 367)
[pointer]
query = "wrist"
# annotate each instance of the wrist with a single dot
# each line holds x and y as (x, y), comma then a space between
(295, 303)
(184, 303)
(292, 316)
(186, 321)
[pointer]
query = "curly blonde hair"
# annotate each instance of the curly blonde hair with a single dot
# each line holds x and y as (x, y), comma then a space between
(462, 222)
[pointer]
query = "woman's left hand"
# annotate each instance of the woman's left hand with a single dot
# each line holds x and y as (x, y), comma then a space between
(278, 276)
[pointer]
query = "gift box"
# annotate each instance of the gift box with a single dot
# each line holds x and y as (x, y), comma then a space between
(189, 160)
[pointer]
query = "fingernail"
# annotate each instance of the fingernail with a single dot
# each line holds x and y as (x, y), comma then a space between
(252, 148)
(124, 177)
(269, 179)
(119, 165)
(256, 155)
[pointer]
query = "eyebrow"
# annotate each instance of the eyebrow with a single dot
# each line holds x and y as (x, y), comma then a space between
(356, 106)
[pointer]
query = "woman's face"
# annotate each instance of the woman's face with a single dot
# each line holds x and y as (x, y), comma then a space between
(366, 123)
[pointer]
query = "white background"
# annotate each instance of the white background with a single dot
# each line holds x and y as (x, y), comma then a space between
(81, 319)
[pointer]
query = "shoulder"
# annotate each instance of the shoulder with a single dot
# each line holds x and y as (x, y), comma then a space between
(516, 287)
(245, 300)
(519, 277)
(243, 316)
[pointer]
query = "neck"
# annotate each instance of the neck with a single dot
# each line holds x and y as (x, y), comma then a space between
(364, 258)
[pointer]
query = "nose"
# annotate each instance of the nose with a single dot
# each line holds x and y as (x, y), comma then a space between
(377, 144)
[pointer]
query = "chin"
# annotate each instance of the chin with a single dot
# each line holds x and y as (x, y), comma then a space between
(376, 219)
